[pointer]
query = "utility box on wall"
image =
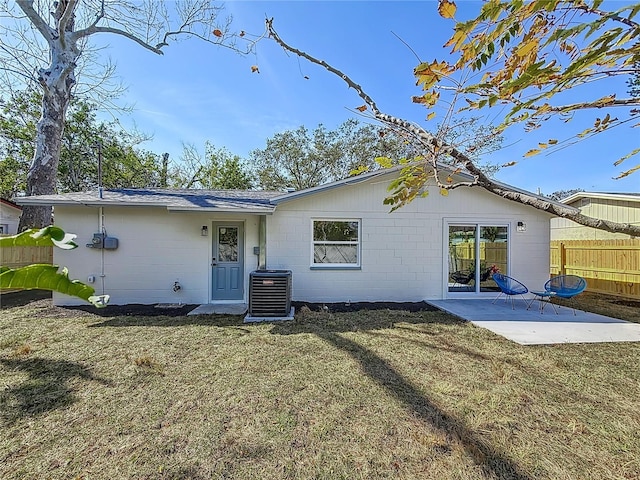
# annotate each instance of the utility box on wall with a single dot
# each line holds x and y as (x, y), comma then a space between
(101, 241)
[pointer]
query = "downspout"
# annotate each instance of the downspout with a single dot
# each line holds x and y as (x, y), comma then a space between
(101, 214)
(101, 229)
(262, 242)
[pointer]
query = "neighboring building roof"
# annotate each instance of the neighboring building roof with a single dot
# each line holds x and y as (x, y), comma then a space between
(9, 203)
(249, 201)
(627, 197)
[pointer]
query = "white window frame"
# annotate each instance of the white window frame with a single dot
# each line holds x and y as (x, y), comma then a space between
(357, 243)
(477, 223)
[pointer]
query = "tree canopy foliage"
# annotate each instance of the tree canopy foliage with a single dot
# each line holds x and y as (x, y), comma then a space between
(634, 82)
(528, 54)
(218, 169)
(301, 158)
(124, 162)
(562, 194)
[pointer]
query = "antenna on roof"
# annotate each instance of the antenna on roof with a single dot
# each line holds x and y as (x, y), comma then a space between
(98, 145)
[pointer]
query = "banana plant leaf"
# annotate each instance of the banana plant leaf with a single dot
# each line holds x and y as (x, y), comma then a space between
(46, 277)
(44, 237)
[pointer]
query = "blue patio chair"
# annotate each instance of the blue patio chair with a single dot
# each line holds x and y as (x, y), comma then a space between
(510, 287)
(566, 286)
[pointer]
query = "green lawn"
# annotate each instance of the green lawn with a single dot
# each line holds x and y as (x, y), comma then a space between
(372, 394)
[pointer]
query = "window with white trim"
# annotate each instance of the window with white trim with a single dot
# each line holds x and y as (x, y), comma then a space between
(336, 243)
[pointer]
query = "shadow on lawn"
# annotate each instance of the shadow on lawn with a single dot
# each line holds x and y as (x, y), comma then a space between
(494, 462)
(164, 321)
(46, 388)
(362, 320)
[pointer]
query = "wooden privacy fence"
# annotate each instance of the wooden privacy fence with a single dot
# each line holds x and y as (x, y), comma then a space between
(491, 253)
(21, 256)
(609, 266)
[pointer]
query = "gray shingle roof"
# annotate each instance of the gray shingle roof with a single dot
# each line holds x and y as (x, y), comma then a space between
(247, 201)
(185, 200)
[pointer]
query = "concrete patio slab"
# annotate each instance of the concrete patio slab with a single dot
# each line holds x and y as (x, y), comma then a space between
(530, 327)
(220, 309)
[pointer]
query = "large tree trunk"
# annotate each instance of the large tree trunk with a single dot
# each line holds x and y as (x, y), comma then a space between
(57, 81)
(43, 172)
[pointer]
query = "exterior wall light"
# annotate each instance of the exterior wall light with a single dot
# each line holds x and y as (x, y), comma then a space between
(205, 231)
(521, 227)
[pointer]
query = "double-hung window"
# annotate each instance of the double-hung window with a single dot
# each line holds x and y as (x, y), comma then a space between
(336, 243)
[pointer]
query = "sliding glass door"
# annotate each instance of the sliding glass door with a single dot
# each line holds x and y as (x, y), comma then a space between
(475, 252)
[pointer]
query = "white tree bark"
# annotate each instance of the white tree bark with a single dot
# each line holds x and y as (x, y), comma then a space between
(434, 148)
(147, 24)
(57, 81)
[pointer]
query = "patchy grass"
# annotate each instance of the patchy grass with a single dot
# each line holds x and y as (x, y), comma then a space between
(369, 394)
(616, 307)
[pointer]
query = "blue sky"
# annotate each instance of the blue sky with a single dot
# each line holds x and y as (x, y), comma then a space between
(197, 92)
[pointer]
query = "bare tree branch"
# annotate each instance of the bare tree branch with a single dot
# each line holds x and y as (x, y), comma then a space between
(99, 15)
(95, 29)
(66, 19)
(628, 22)
(610, 102)
(436, 147)
(367, 99)
(41, 25)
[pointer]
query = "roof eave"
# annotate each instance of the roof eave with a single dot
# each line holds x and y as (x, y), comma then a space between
(347, 181)
(267, 209)
(85, 203)
(603, 196)
(10, 204)
(261, 211)
(367, 176)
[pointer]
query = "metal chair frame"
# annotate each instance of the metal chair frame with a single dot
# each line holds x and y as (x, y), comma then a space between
(509, 287)
(566, 286)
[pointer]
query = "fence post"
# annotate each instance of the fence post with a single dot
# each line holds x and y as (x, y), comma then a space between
(563, 259)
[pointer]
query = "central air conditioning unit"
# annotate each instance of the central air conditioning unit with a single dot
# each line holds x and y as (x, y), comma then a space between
(270, 293)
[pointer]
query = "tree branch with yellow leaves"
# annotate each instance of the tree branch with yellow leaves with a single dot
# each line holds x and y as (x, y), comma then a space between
(426, 167)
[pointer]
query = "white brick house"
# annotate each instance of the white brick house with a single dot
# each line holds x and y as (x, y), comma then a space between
(339, 241)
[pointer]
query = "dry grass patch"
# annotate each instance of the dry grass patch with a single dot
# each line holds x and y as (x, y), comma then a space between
(616, 307)
(369, 394)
